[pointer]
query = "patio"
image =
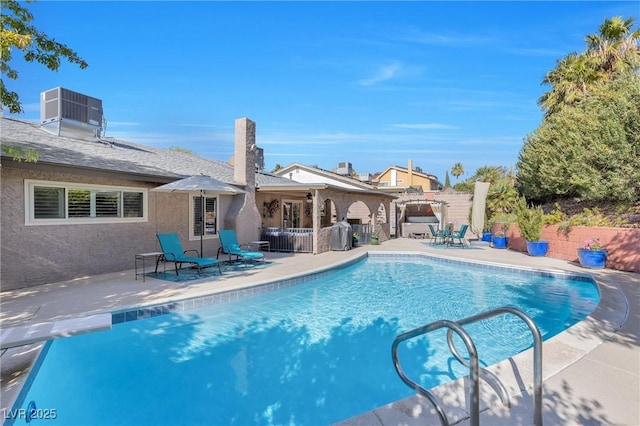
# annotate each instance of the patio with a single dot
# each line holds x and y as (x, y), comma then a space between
(606, 345)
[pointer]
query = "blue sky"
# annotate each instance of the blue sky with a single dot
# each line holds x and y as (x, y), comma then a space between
(371, 83)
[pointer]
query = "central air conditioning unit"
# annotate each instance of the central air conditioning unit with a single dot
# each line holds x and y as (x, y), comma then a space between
(67, 113)
(344, 169)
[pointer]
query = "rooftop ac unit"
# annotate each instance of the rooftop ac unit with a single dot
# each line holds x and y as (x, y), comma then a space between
(67, 113)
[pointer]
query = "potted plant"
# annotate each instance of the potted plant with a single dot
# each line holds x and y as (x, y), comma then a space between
(530, 221)
(592, 254)
(355, 239)
(499, 238)
(375, 238)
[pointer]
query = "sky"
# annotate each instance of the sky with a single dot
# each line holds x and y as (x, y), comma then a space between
(372, 83)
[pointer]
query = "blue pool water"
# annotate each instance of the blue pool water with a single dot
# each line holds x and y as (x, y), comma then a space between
(313, 353)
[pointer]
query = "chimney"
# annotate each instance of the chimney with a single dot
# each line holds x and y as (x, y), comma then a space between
(410, 173)
(244, 172)
(243, 214)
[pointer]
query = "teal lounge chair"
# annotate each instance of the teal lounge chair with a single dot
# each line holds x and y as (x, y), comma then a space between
(459, 236)
(172, 252)
(437, 235)
(229, 245)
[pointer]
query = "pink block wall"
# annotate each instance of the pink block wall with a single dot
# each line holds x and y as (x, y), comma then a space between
(622, 244)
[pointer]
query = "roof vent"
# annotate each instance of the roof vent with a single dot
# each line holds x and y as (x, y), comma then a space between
(67, 113)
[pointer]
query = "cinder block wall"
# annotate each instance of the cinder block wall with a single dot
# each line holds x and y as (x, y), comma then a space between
(622, 244)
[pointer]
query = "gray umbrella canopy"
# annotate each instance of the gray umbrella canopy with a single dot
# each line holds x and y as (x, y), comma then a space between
(199, 184)
(203, 185)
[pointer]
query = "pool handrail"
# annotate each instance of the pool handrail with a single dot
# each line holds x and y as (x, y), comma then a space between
(473, 362)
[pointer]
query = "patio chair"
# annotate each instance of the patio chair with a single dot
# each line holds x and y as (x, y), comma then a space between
(437, 235)
(459, 236)
(172, 252)
(229, 245)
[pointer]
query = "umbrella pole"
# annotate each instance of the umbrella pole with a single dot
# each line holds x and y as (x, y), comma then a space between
(202, 224)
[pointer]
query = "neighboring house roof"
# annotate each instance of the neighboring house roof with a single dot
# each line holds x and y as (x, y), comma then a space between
(113, 155)
(322, 176)
(404, 169)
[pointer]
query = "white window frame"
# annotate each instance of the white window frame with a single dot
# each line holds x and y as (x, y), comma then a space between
(29, 215)
(192, 237)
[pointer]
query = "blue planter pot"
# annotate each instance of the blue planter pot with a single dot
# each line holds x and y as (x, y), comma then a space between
(499, 242)
(592, 258)
(486, 236)
(537, 248)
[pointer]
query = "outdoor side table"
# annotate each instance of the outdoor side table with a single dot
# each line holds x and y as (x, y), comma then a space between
(260, 244)
(156, 256)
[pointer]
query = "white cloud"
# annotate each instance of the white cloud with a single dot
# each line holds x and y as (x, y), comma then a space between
(384, 73)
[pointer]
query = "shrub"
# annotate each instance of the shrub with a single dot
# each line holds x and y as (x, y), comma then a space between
(529, 220)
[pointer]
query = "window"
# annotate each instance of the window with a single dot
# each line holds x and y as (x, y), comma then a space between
(50, 203)
(204, 208)
(291, 214)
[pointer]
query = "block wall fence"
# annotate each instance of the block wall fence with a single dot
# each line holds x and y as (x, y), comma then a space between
(622, 244)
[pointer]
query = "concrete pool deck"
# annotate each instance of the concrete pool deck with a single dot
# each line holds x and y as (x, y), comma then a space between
(591, 372)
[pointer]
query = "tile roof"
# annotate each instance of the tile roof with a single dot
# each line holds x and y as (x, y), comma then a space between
(115, 155)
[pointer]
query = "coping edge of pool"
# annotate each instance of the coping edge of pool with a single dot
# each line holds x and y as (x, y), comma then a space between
(515, 373)
(135, 313)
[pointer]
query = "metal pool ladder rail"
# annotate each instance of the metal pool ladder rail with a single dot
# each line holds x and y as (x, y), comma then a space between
(473, 364)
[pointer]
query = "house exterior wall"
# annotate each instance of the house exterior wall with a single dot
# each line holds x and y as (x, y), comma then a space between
(265, 199)
(35, 255)
(399, 177)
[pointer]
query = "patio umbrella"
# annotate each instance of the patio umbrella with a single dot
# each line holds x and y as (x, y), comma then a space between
(478, 207)
(203, 185)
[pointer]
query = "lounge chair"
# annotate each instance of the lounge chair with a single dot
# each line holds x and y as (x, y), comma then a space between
(435, 235)
(172, 252)
(229, 245)
(459, 236)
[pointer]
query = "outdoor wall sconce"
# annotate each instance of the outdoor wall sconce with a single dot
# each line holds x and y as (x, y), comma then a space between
(309, 198)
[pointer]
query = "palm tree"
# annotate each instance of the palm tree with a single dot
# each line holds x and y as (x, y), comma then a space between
(616, 48)
(570, 81)
(491, 174)
(457, 170)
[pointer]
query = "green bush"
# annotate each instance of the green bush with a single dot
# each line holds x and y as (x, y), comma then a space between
(529, 220)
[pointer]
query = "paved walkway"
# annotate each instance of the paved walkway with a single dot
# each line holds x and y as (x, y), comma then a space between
(591, 372)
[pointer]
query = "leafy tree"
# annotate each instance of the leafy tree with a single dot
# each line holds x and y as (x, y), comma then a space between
(180, 149)
(277, 167)
(614, 50)
(570, 81)
(590, 151)
(457, 170)
(501, 197)
(17, 32)
(447, 180)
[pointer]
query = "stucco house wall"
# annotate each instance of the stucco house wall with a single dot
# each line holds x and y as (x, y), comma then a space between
(39, 254)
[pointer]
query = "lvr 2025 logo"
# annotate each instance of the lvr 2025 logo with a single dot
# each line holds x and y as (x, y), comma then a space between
(30, 413)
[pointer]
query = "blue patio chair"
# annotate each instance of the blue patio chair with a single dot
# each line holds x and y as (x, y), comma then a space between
(229, 245)
(459, 236)
(437, 235)
(172, 252)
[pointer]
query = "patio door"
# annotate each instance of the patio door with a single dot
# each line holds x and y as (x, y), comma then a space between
(291, 214)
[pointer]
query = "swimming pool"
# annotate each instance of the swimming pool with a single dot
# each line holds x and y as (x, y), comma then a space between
(313, 353)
